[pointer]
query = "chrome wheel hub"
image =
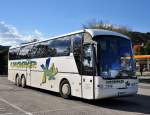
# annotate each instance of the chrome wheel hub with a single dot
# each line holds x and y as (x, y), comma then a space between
(65, 89)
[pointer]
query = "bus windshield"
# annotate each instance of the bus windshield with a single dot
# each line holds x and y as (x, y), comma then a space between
(115, 57)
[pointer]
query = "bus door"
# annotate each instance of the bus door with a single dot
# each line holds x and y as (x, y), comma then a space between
(88, 72)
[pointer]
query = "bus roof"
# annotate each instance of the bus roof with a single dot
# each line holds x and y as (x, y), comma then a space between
(92, 32)
(96, 32)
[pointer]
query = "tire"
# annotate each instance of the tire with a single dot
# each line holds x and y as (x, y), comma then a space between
(23, 81)
(65, 89)
(18, 81)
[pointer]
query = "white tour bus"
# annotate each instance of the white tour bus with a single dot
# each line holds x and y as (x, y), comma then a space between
(90, 64)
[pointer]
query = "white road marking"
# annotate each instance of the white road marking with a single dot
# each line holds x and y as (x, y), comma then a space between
(7, 114)
(2, 109)
(16, 107)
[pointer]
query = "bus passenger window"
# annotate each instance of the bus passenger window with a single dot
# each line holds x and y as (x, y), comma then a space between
(59, 47)
(24, 52)
(42, 50)
(33, 52)
(13, 53)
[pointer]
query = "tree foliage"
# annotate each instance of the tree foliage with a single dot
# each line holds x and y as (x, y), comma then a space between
(147, 48)
(101, 25)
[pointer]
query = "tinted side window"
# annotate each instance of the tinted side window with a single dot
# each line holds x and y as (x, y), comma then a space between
(59, 47)
(77, 46)
(40, 50)
(24, 52)
(52, 48)
(52, 51)
(33, 51)
(13, 53)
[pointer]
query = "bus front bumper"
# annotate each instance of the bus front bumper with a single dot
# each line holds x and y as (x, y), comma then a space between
(127, 88)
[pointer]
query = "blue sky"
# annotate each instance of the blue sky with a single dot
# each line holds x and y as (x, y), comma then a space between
(54, 17)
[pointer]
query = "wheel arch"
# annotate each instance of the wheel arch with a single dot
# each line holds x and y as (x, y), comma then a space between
(17, 75)
(22, 75)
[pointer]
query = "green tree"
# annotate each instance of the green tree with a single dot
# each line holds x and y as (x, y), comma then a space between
(147, 48)
(102, 25)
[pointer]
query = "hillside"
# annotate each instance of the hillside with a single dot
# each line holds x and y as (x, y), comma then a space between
(138, 38)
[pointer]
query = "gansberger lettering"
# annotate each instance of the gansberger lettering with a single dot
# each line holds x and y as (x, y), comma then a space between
(23, 64)
(114, 81)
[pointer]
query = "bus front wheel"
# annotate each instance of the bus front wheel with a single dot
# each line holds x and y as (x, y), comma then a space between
(65, 89)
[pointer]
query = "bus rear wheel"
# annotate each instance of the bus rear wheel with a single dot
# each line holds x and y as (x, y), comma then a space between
(23, 81)
(65, 89)
(18, 81)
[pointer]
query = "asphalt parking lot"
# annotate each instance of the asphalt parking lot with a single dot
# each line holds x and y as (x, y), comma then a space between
(30, 101)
